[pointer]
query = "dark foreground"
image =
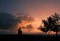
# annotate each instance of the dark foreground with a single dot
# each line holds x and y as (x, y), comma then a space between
(30, 37)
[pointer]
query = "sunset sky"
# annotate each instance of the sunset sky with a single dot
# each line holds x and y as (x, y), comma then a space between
(37, 9)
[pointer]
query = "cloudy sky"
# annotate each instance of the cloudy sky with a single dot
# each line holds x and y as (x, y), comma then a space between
(39, 9)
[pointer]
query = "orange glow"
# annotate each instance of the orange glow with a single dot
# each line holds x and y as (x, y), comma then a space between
(35, 24)
(51, 32)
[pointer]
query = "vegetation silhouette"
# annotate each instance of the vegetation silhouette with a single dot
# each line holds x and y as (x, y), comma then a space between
(51, 24)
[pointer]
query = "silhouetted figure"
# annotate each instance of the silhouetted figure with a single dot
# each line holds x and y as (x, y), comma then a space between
(19, 31)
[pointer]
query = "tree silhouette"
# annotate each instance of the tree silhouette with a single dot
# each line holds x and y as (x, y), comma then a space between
(51, 23)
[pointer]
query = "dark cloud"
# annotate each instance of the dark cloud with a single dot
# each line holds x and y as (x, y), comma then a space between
(29, 26)
(7, 21)
(3, 31)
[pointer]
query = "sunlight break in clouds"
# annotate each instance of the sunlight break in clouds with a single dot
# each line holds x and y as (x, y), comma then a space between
(34, 22)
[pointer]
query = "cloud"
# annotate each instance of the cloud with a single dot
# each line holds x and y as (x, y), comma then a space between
(10, 21)
(7, 21)
(3, 31)
(26, 17)
(25, 20)
(29, 26)
(26, 23)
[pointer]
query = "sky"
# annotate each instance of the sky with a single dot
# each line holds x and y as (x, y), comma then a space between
(39, 9)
